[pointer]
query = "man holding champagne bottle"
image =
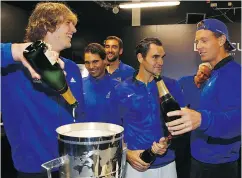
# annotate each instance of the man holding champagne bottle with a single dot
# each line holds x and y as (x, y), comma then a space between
(148, 154)
(216, 125)
(31, 109)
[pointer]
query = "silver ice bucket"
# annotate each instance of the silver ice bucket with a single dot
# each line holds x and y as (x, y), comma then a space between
(89, 150)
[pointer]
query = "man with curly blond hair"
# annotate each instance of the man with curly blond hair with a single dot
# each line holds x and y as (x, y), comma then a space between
(31, 110)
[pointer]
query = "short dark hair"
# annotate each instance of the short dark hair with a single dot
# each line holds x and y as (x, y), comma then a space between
(144, 45)
(226, 44)
(120, 42)
(96, 48)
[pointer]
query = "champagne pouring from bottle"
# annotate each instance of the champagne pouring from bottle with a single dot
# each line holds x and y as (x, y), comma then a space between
(167, 104)
(38, 55)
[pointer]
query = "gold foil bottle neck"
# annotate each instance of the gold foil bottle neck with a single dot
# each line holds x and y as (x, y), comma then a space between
(162, 88)
(68, 96)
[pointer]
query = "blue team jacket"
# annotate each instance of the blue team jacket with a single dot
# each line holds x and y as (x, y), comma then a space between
(123, 72)
(191, 91)
(99, 107)
(32, 112)
(217, 140)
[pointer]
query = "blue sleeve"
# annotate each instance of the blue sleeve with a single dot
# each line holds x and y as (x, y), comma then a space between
(78, 91)
(6, 54)
(175, 91)
(114, 110)
(179, 94)
(181, 82)
(227, 122)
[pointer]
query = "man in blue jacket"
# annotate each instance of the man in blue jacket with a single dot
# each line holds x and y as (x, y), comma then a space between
(31, 110)
(97, 86)
(216, 126)
(116, 68)
(139, 109)
(193, 85)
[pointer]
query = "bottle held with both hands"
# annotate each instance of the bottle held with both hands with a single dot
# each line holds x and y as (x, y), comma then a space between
(148, 156)
(167, 104)
(50, 72)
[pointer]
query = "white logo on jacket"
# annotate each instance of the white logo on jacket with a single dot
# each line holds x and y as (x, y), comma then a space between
(130, 95)
(73, 80)
(108, 95)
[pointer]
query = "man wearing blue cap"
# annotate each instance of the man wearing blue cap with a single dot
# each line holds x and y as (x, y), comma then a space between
(216, 125)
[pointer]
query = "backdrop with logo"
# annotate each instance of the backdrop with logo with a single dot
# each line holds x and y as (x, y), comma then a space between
(178, 41)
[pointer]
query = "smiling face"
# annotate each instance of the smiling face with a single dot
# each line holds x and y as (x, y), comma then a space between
(208, 45)
(113, 50)
(61, 38)
(95, 65)
(153, 61)
(203, 74)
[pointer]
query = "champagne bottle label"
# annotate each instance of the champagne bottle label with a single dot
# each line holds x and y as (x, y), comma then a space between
(52, 56)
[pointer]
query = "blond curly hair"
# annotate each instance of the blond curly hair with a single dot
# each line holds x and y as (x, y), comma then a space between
(45, 18)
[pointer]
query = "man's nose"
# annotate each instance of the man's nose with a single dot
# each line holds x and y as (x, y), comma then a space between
(199, 46)
(160, 61)
(73, 28)
(91, 65)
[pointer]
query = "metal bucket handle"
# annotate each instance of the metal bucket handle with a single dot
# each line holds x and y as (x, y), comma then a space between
(55, 163)
(123, 163)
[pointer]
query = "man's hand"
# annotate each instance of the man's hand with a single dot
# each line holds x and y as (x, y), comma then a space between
(161, 147)
(133, 157)
(190, 120)
(17, 53)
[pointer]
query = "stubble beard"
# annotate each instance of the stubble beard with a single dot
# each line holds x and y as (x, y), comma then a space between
(113, 59)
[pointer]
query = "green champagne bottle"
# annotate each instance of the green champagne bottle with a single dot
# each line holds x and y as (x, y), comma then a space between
(52, 75)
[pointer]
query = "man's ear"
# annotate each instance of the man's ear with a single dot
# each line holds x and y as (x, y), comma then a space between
(121, 51)
(222, 40)
(140, 58)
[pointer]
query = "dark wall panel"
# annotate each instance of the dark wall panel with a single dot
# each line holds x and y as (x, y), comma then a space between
(178, 41)
(13, 23)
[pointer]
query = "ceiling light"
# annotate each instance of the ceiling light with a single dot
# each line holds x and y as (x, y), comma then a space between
(148, 4)
(213, 5)
(115, 9)
(230, 4)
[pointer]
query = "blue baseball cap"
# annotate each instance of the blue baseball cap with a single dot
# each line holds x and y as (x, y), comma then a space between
(217, 26)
